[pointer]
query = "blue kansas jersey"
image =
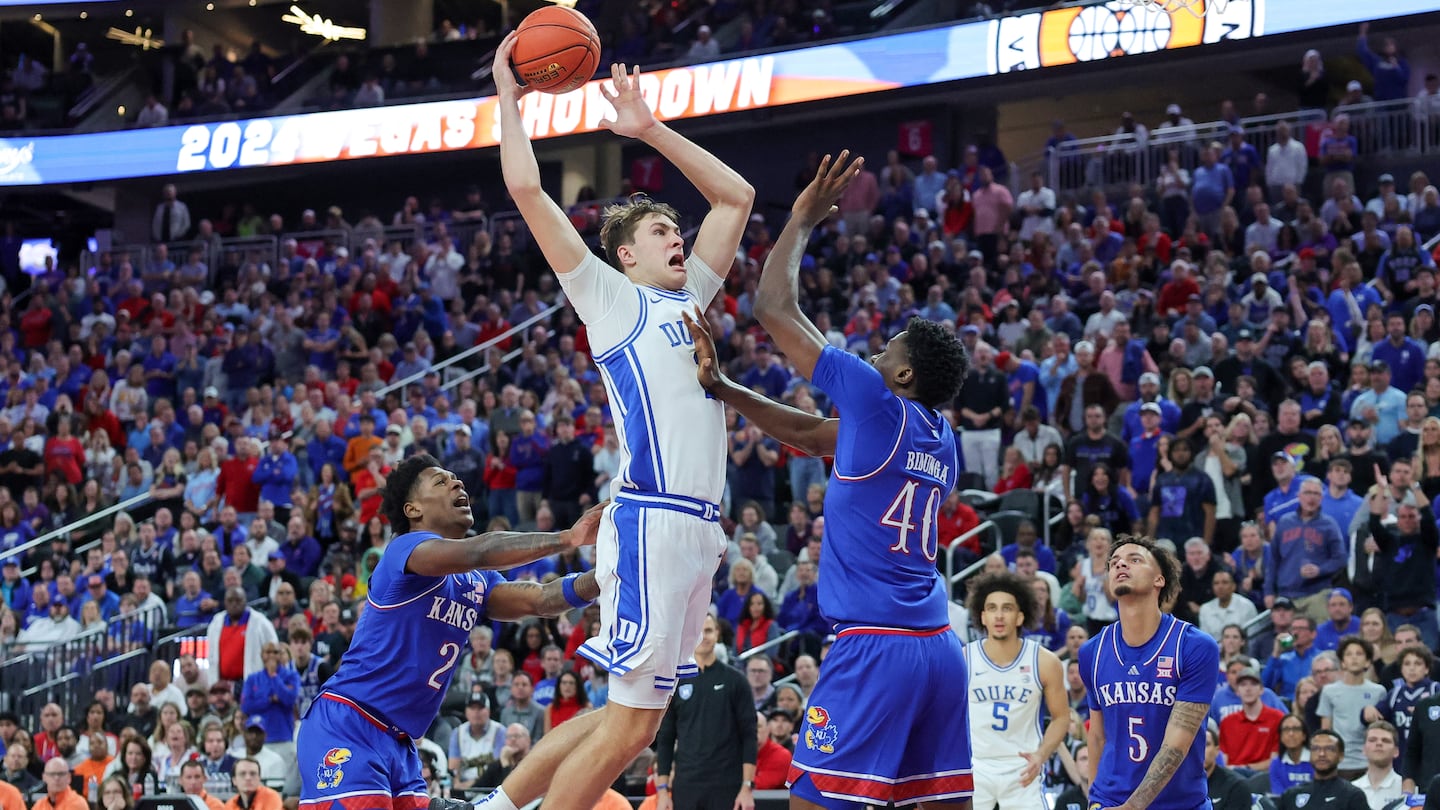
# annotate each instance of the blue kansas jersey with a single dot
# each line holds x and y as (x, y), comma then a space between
(895, 463)
(410, 637)
(1135, 689)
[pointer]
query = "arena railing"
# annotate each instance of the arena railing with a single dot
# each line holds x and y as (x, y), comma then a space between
(776, 642)
(1392, 127)
(1115, 161)
(516, 329)
(951, 577)
(65, 672)
(65, 530)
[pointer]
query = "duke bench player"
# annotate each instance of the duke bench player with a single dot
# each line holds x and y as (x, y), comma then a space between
(356, 747)
(1149, 678)
(1012, 679)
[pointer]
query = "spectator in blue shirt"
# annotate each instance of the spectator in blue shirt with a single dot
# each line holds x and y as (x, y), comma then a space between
(1211, 189)
(1405, 355)
(766, 375)
(193, 606)
(14, 589)
(97, 591)
(321, 342)
(801, 608)
(1307, 549)
(1023, 378)
(302, 552)
(326, 448)
(159, 367)
(527, 453)
(1241, 157)
(1340, 502)
(1390, 70)
(275, 474)
(271, 695)
(1343, 621)
(1285, 497)
(1285, 669)
(1150, 394)
(1382, 407)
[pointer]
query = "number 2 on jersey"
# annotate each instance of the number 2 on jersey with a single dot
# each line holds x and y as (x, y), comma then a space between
(900, 514)
(450, 651)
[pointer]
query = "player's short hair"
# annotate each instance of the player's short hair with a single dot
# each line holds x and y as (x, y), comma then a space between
(1164, 559)
(621, 219)
(1001, 582)
(938, 359)
(398, 488)
(1331, 733)
(1350, 641)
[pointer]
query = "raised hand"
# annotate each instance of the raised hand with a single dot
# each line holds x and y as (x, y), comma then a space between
(818, 199)
(632, 115)
(707, 370)
(506, 85)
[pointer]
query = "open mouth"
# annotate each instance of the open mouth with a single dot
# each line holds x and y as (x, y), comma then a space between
(678, 261)
(462, 501)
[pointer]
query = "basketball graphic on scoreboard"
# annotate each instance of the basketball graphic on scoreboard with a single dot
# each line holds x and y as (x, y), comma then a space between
(1066, 36)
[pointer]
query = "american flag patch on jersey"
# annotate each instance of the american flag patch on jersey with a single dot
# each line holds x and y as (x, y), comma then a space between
(1165, 666)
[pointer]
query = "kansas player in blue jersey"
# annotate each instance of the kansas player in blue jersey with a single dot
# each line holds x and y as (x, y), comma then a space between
(1149, 678)
(356, 746)
(887, 722)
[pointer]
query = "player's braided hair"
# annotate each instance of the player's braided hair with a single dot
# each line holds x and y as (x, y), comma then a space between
(939, 360)
(1165, 560)
(398, 487)
(1001, 582)
(619, 222)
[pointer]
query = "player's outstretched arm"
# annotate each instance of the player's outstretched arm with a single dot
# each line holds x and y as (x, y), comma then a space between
(730, 197)
(1185, 720)
(804, 431)
(777, 304)
(498, 551)
(511, 601)
(562, 246)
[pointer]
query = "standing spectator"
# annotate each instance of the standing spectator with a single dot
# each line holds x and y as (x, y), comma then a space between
(1183, 500)
(1337, 155)
(708, 738)
(1404, 355)
(302, 552)
(1342, 701)
(172, 217)
(1286, 162)
(275, 474)
(753, 456)
(1314, 89)
(705, 48)
(153, 114)
(272, 693)
(236, 483)
(1037, 204)
(1242, 158)
(1306, 551)
(1409, 589)
(1381, 406)
(1389, 69)
(1212, 189)
(237, 637)
(993, 204)
(982, 407)
(1125, 360)
(527, 453)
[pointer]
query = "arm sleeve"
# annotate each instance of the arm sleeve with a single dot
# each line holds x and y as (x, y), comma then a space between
(744, 707)
(1323, 706)
(869, 409)
(665, 743)
(1334, 548)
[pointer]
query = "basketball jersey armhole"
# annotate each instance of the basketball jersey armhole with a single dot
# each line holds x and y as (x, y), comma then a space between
(889, 457)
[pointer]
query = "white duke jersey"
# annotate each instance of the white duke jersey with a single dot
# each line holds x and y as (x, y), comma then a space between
(1005, 703)
(672, 433)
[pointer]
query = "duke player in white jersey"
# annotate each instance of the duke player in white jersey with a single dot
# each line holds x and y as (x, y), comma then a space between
(886, 723)
(1149, 679)
(1011, 680)
(660, 541)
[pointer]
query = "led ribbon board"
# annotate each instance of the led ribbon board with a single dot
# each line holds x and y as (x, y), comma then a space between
(962, 51)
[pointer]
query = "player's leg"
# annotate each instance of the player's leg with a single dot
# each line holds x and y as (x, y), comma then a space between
(935, 768)
(531, 779)
(594, 763)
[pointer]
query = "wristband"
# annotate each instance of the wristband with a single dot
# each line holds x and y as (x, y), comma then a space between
(659, 787)
(567, 588)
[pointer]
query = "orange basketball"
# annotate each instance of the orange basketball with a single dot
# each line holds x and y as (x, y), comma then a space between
(556, 50)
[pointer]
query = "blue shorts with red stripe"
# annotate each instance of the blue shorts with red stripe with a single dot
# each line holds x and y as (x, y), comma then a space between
(350, 759)
(888, 722)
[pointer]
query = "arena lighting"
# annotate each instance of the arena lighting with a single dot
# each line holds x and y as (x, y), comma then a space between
(142, 38)
(320, 27)
(1039, 41)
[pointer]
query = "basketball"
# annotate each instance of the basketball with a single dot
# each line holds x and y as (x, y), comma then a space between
(556, 50)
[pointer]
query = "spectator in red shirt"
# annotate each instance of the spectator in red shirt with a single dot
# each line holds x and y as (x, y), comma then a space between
(772, 760)
(1177, 291)
(1249, 737)
(1014, 472)
(955, 519)
(64, 453)
(369, 483)
(35, 323)
(236, 485)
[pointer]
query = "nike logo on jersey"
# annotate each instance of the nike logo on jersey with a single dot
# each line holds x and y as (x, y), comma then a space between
(1329, 798)
(656, 300)
(719, 686)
